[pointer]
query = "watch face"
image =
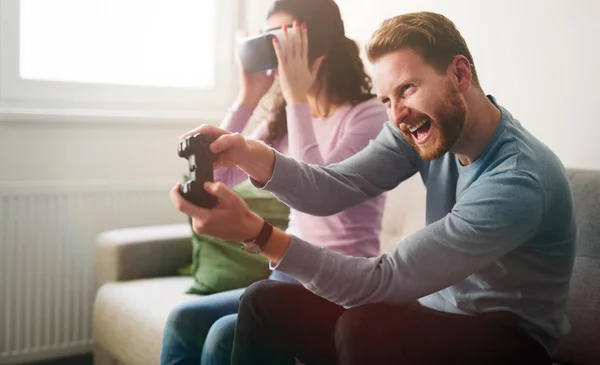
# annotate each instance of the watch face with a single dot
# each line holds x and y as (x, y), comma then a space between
(251, 247)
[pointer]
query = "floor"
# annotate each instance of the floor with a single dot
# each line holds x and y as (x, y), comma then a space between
(75, 360)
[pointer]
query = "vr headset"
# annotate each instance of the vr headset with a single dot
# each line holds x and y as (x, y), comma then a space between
(257, 52)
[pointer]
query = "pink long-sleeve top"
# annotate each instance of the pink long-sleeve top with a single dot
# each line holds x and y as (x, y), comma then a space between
(323, 141)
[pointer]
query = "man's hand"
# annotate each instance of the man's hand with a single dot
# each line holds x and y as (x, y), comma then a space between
(233, 149)
(229, 220)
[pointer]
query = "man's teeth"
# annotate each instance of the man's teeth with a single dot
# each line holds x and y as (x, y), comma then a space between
(414, 129)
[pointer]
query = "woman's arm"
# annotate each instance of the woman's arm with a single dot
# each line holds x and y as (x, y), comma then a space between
(363, 126)
(235, 122)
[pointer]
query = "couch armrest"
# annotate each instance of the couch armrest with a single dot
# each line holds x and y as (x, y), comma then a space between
(141, 252)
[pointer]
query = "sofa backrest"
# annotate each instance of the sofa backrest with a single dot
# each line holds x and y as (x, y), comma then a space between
(405, 214)
(582, 345)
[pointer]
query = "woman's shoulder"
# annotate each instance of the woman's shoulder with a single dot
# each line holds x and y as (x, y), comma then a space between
(371, 109)
(369, 106)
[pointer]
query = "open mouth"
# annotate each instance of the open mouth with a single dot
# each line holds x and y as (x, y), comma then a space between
(420, 132)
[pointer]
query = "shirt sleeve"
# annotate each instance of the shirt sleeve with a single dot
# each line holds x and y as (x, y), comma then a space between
(235, 122)
(362, 127)
(491, 218)
(326, 190)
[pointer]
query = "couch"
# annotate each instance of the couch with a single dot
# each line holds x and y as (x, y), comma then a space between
(137, 283)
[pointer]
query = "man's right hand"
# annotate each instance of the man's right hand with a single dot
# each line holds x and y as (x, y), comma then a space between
(233, 149)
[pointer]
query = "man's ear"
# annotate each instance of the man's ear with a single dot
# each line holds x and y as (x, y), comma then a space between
(461, 69)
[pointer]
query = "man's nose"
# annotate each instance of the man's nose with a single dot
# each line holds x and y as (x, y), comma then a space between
(399, 113)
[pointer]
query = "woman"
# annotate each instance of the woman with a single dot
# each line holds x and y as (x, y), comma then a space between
(327, 115)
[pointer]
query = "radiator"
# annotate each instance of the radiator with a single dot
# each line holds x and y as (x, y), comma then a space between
(47, 234)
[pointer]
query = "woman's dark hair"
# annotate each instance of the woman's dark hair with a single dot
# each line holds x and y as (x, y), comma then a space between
(342, 72)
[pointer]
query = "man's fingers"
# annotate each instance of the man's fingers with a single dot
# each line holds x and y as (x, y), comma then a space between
(197, 226)
(186, 207)
(220, 190)
(226, 142)
(207, 129)
(204, 129)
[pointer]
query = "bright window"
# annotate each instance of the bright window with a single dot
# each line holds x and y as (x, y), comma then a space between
(125, 42)
(121, 55)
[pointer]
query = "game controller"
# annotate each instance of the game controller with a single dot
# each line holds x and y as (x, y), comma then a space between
(200, 162)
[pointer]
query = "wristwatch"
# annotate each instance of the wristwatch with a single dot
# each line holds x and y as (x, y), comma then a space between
(256, 244)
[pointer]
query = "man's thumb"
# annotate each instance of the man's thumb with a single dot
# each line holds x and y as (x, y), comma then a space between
(219, 190)
(226, 142)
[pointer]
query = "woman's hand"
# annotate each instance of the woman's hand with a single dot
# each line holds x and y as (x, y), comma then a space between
(229, 220)
(253, 86)
(295, 76)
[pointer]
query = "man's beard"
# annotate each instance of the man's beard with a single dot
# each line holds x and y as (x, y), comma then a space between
(448, 123)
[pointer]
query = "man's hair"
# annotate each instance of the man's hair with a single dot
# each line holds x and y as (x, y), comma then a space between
(432, 36)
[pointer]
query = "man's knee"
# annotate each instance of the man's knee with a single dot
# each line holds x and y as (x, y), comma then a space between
(259, 296)
(362, 325)
(362, 335)
(353, 325)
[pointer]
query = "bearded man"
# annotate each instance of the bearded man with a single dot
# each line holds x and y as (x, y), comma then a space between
(484, 282)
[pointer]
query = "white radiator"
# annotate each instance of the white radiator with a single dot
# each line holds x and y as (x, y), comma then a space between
(47, 233)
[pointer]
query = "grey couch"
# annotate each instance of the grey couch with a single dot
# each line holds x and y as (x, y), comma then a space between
(137, 281)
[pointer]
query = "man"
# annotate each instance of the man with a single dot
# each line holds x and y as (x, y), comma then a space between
(485, 282)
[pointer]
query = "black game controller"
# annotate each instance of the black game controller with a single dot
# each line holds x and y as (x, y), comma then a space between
(200, 162)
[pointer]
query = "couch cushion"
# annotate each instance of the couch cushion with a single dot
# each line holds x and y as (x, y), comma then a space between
(129, 316)
(581, 345)
(220, 265)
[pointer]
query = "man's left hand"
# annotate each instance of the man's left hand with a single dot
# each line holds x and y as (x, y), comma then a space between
(229, 220)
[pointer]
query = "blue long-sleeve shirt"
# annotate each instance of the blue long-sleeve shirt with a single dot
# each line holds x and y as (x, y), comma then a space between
(499, 234)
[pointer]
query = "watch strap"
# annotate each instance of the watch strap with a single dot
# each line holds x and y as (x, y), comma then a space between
(263, 235)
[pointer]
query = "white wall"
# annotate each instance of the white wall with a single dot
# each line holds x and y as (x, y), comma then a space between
(256, 11)
(76, 151)
(62, 182)
(49, 151)
(539, 58)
